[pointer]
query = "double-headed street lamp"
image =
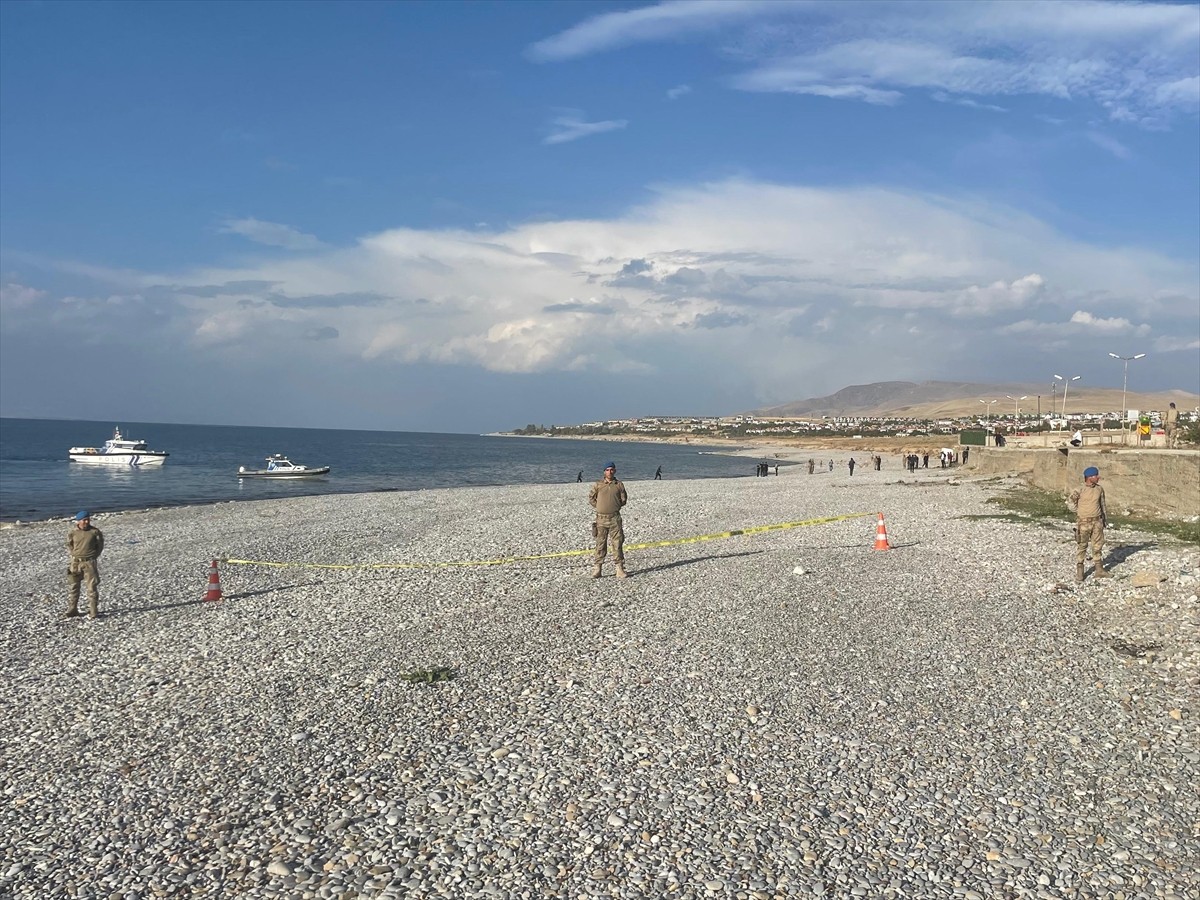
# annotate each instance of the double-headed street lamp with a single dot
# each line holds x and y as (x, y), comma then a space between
(1125, 383)
(1066, 384)
(1016, 409)
(988, 406)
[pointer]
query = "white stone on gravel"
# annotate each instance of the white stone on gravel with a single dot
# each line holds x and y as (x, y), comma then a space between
(950, 718)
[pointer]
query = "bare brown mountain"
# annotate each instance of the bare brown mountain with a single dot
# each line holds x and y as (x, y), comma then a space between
(950, 399)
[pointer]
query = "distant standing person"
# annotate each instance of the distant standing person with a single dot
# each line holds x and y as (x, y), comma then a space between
(851, 465)
(966, 453)
(1091, 516)
(579, 477)
(607, 497)
(658, 474)
(811, 466)
(831, 465)
(84, 544)
(1171, 426)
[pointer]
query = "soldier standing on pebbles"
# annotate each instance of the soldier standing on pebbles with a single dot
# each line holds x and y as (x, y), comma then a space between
(85, 544)
(607, 496)
(1091, 517)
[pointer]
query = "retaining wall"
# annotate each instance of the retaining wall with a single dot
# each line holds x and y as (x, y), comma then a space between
(1163, 484)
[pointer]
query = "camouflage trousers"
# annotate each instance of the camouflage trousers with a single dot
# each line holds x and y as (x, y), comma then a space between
(608, 530)
(88, 572)
(1089, 531)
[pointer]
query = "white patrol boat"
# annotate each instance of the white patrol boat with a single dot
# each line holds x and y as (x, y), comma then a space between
(118, 451)
(279, 466)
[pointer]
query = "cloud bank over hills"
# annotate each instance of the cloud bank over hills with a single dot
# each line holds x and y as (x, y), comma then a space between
(771, 286)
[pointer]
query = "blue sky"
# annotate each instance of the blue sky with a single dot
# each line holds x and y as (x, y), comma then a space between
(468, 217)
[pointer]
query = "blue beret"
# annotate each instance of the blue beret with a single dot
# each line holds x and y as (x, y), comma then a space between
(82, 514)
(610, 465)
(1090, 472)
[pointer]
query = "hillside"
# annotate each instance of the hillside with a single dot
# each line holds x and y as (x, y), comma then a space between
(948, 399)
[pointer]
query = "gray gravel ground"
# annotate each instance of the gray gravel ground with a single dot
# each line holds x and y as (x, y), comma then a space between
(787, 714)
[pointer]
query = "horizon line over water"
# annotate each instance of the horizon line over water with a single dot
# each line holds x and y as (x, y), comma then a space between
(117, 423)
(39, 482)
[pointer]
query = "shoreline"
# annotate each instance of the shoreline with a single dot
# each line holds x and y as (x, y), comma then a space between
(799, 445)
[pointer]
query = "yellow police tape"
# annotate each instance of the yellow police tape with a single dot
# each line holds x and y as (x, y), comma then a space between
(737, 532)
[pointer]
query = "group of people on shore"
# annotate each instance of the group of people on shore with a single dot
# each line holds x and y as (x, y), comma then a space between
(608, 496)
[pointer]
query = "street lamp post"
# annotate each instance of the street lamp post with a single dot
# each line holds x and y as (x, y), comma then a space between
(1053, 398)
(1066, 384)
(987, 405)
(1016, 409)
(1124, 387)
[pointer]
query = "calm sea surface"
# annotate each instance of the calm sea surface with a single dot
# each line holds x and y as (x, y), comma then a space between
(38, 481)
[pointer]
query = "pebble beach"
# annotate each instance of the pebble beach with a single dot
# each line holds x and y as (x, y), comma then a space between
(784, 714)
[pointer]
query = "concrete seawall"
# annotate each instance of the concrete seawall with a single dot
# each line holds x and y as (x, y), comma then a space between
(1163, 484)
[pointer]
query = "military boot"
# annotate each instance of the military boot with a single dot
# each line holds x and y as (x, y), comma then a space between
(1100, 571)
(93, 608)
(1079, 571)
(621, 573)
(596, 570)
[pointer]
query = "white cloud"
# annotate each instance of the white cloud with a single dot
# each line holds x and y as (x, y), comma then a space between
(571, 127)
(662, 21)
(764, 280)
(943, 97)
(999, 296)
(678, 91)
(1171, 344)
(1107, 325)
(1138, 61)
(15, 297)
(271, 233)
(1184, 93)
(785, 81)
(1111, 144)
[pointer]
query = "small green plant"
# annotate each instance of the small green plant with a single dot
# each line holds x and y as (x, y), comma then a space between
(1190, 433)
(429, 676)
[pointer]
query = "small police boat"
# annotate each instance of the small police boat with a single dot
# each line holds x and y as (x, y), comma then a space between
(279, 466)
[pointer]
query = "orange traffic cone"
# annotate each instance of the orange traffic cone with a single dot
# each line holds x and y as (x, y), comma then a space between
(214, 583)
(881, 538)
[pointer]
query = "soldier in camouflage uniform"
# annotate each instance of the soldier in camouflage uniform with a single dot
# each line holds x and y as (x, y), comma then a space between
(85, 544)
(1091, 517)
(607, 496)
(1171, 426)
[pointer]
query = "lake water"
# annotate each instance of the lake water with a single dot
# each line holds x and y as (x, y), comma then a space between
(38, 481)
